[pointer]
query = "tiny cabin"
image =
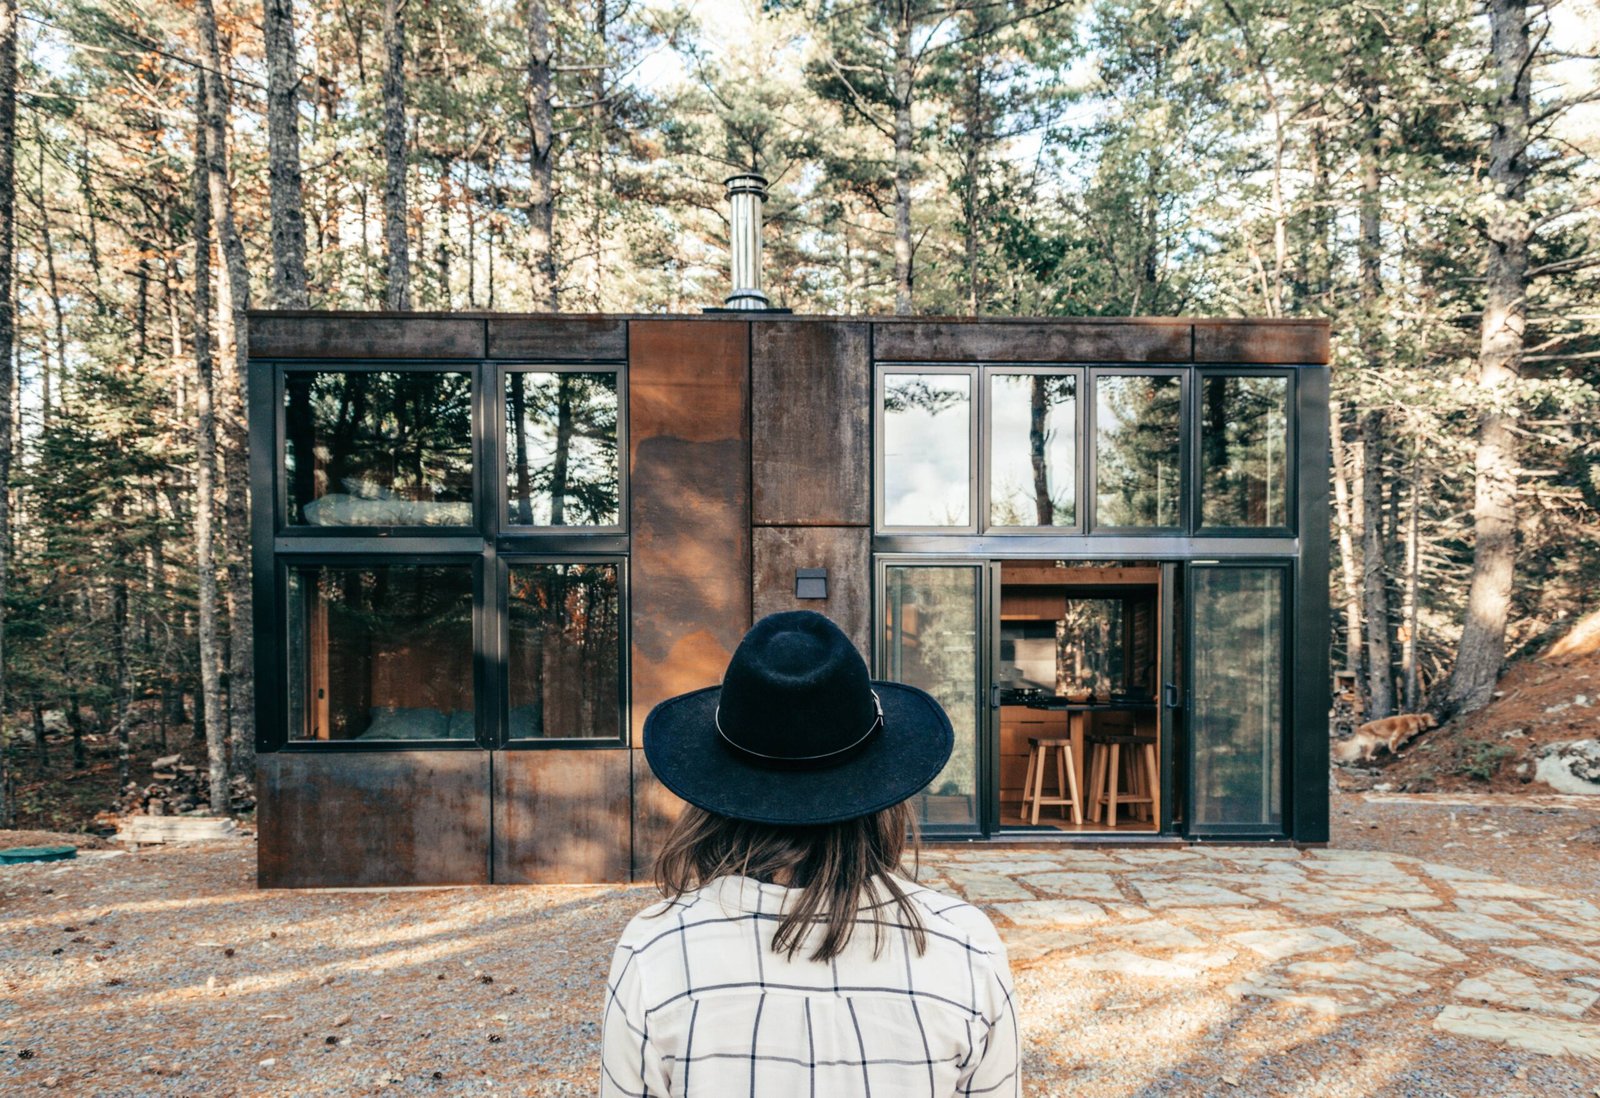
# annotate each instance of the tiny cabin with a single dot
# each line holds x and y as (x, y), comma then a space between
(486, 545)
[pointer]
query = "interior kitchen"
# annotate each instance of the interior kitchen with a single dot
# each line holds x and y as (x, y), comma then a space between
(1079, 675)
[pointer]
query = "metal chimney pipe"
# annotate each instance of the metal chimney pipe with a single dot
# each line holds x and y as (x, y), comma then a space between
(745, 194)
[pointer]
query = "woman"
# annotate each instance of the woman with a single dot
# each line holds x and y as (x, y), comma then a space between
(790, 957)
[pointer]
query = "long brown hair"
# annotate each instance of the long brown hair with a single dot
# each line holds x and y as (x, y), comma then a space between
(834, 866)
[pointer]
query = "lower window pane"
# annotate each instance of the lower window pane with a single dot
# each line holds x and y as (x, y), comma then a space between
(1238, 697)
(931, 642)
(380, 652)
(562, 668)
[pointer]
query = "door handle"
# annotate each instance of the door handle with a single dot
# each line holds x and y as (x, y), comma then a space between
(994, 695)
(1172, 698)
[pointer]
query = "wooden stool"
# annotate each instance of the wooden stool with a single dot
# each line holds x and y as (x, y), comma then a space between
(1066, 779)
(1108, 766)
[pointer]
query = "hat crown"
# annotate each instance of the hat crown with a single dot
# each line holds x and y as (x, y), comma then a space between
(796, 692)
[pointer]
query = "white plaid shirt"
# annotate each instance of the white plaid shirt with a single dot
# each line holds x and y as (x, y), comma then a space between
(698, 1003)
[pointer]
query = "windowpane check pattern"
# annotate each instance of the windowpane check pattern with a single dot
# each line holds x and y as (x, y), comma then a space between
(698, 1004)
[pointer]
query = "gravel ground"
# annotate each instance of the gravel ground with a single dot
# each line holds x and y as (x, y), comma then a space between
(168, 972)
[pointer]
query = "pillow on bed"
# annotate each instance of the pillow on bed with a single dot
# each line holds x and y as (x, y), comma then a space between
(522, 723)
(391, 722)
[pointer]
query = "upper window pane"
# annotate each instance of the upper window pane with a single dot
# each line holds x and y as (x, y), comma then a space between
(378, 448)
(1033, 449)
(380, 652)
(561, 449)
(927, 449)
(563, 664)
(1138, 425)
(1244, 441)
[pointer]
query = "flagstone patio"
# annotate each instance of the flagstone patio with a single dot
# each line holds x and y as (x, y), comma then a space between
(1140, 971)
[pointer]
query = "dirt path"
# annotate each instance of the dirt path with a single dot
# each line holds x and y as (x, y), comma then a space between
(1422, 968)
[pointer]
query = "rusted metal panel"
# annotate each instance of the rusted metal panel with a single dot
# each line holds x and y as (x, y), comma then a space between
(558, 339)
(561, 817)
(1266, 342)
(359, 818)
(297, 335)
(811, 423)
(689, 467)
(845, 551)
(655, 810)
(1043, 341)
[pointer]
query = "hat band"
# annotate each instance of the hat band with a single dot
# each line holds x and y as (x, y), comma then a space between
(804, 762)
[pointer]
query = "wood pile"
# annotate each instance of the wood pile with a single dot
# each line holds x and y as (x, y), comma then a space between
(178, 789)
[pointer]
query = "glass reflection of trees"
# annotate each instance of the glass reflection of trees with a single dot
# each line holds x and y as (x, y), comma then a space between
(378, 448)
(1138, 426)
(1238, 695)
(932, 644)
(563, 663)
(561, 449)
(380, 652)
(1033, 449)
(927, 450)
(1089, 646)
(1244, 431)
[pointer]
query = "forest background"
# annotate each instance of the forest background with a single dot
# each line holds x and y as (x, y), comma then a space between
(1421, 172)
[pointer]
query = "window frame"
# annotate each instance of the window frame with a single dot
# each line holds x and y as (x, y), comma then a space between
(280, 499)
(986, 440)
(499, 487)
(277, 737)
(973, 372)
(1095, 527)
(1291, 451)
(499, 664)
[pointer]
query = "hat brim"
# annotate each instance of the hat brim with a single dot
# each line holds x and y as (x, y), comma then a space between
(684, 749)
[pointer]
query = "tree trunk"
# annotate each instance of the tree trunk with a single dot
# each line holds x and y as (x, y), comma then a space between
(1409, 606)
(976, 136)
(233, 306)
(1375, 574)
(563, 451)
(8, 334)
(597, 153)
(1344, 513)
(541, 164)
(1038, 423)
(397, 285)
(283, 157)
(205, 464)
(1494, 510)
(902, 162)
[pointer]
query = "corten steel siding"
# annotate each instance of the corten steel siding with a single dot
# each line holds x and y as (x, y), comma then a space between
(749, 454)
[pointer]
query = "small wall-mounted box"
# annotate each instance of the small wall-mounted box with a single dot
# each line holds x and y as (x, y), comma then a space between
(810, 583)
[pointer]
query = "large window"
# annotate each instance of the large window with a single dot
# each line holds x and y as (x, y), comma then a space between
(562, 467)
(380, 652)
(1033, 449)
(1244, 451)
(378, 448)
(1138, 450)
(563, 661)
(927, 449)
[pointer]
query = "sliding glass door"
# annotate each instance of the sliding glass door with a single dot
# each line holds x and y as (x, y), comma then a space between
(1238, 698)
(928, 622)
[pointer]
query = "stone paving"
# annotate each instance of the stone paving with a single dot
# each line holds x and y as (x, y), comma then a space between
(1337, 933)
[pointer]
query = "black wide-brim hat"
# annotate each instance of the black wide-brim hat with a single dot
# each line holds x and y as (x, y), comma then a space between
(798, 733)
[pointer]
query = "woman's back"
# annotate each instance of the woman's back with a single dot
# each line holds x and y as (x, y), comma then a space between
(698, 1002)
